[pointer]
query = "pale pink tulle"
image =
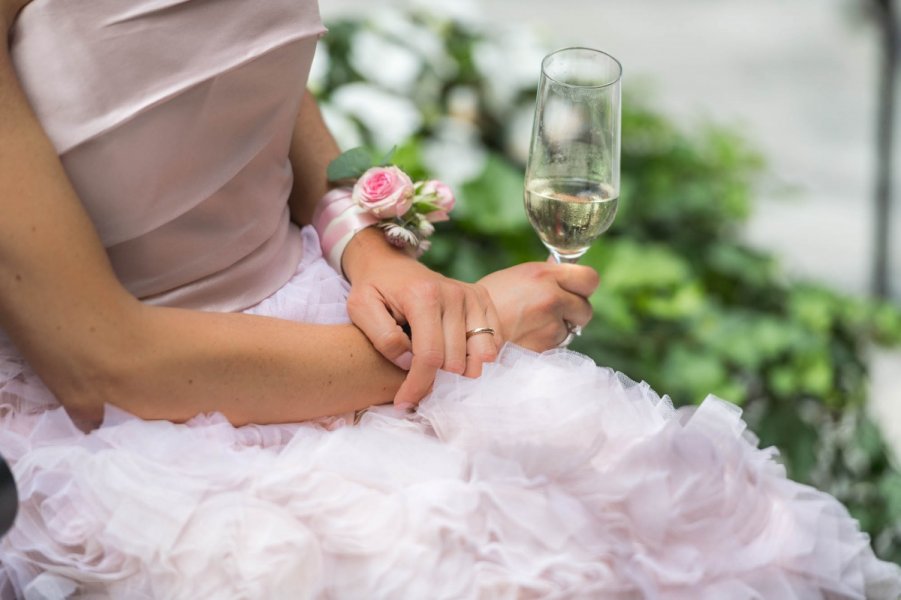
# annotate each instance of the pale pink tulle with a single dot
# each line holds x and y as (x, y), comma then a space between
(549, 477)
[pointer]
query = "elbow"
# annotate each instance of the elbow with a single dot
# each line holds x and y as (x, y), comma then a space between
(96, 360)
(86, 394)
(106, 373)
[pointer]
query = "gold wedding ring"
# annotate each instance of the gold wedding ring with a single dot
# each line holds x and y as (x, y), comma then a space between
(479, 331)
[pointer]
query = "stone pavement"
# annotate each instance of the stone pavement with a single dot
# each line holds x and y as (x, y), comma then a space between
(797, 78)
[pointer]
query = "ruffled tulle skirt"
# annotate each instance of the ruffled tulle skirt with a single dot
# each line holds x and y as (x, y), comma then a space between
(548, 477)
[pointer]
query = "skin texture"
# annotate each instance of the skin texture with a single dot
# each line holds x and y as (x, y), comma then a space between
(390, 287)
(538, 298)
(93, 343)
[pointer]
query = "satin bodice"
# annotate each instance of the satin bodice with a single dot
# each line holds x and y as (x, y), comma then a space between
(173, 120)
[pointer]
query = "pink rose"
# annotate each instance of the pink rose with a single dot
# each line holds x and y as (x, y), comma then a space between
(384, 191)
(439, 194)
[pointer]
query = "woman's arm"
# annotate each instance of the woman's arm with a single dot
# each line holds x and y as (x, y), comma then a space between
(390, 287)
(528, 304)
(312, 149)
(92, 342)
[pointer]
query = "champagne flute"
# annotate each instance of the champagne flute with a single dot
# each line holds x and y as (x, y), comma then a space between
(572, 176)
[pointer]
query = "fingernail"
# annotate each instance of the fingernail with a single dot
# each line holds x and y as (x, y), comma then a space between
(404, 407)
(404, 361)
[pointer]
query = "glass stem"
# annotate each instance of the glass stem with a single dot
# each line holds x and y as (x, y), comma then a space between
(561, 259)
(567, 260)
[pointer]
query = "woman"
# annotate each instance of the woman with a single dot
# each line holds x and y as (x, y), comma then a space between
(157, 158)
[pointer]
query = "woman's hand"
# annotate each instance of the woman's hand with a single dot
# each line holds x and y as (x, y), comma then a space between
(536, 300)
(390, 289)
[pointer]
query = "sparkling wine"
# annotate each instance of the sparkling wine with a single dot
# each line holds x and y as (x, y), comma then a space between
(569, 213)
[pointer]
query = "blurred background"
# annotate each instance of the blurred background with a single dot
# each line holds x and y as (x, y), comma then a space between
(746, 260)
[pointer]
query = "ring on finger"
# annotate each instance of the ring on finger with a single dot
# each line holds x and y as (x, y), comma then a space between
(572, 330)
(479, 331)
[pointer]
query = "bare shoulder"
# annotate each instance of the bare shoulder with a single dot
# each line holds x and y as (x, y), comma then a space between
(8, 11)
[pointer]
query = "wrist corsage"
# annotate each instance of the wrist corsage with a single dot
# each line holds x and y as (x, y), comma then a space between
(383, 196)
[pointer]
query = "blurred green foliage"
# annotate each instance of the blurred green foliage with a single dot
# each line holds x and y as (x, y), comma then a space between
(683, 303)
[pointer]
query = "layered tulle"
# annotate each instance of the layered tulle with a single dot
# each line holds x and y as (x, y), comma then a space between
(548, 477)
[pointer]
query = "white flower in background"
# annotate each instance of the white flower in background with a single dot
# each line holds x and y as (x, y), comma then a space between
(428, 92)
(465, 12)
(343, 128)
(389, 118)
(423, 40)
(390, 65)
(463, 103)
(518, 133)
(509, 63)
(561, 124)
(319, 69)
(455, 153)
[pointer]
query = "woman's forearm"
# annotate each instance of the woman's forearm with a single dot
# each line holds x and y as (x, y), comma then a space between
(173, 364)
(91, 342)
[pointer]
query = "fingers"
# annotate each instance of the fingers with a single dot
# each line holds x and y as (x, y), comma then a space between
(566, 310)
(481, 348)
(439, 317)
(557, 331)
(369, 313)
(577, 279)
(439, 314)
(454, 322)
(576, 310)
(424, 314)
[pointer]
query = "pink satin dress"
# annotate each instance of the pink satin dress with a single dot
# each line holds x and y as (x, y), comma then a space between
(173, 119)
(549, 477)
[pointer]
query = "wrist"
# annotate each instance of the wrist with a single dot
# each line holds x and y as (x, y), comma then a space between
(369, 250)
(337, 221)
(383, 196)
(508, 323)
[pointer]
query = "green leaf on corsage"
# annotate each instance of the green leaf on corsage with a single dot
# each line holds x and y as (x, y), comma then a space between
(424, 206)
(349, 165)
(386, 160)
